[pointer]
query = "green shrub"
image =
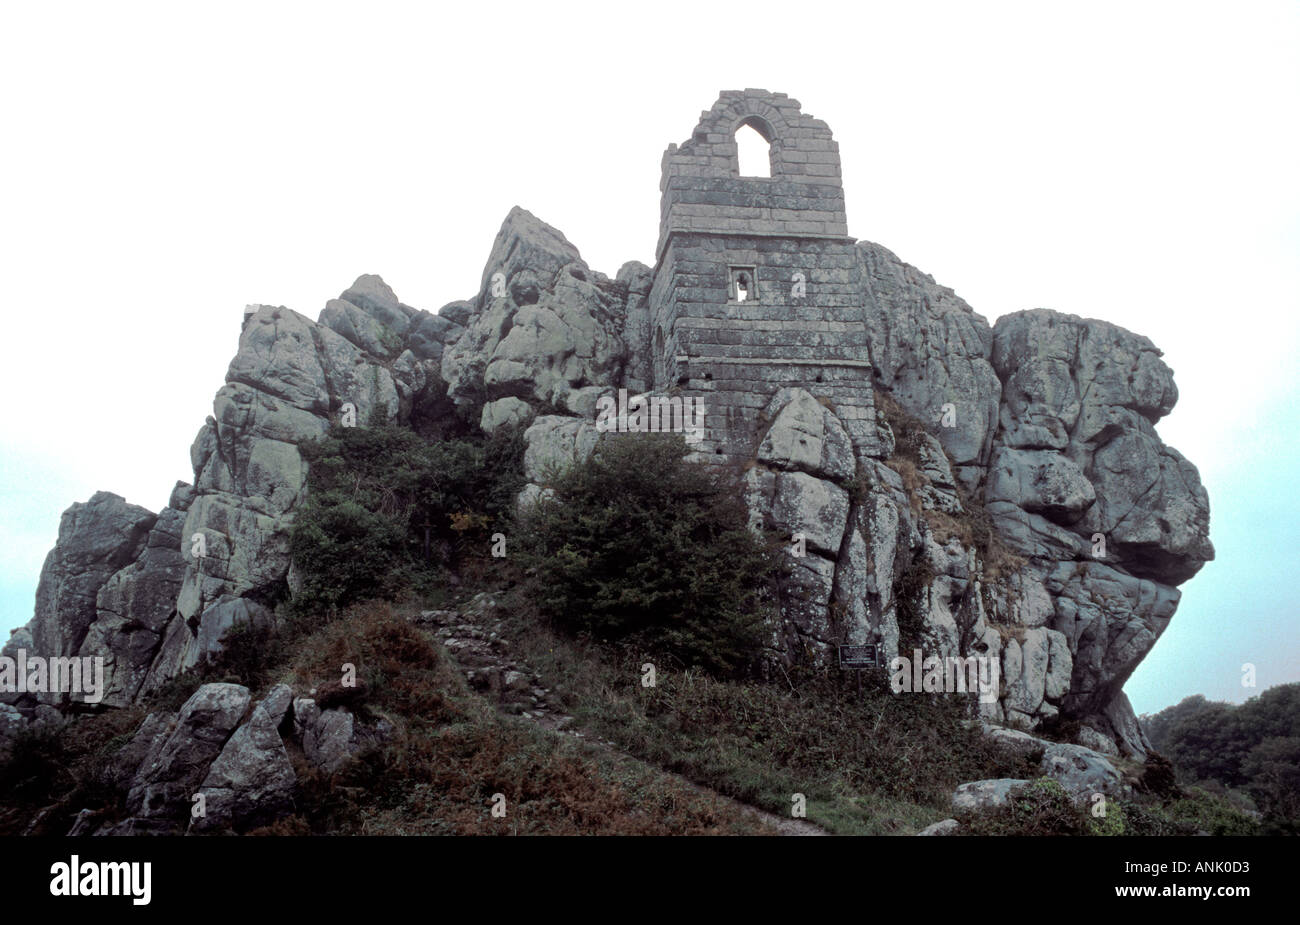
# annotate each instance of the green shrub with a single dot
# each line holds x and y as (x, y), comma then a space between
(1112, 822)
(641, 544)
(1042, 808)
(33, 764)
(50, 771)
(1196, 811)
(350, 553)
(373, 492)
(1151, 820)
(1199, 811)
(1158, 778)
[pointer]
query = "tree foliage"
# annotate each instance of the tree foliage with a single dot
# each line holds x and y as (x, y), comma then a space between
(372, 492)
(639, 543)
(1254, 747)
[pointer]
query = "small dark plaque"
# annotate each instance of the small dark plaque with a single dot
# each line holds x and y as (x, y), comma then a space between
(860, 656)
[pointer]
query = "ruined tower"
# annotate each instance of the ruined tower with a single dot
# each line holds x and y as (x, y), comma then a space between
(756, 283)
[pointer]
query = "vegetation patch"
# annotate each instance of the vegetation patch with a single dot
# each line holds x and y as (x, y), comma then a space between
(869, 763)
(388, 512)
(452, 757)
(450, 753)
(49, 773)
(1247, 755)
(639, 544)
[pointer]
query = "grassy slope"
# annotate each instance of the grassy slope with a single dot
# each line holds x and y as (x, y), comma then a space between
(451, 751)
(874, 763)
(871, 764)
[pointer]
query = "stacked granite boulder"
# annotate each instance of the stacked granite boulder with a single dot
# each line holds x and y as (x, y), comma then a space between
(1003, 485)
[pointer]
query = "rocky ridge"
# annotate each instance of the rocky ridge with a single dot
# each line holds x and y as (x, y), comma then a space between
(1040, 429)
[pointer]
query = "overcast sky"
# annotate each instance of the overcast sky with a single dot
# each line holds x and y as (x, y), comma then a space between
(165, 165)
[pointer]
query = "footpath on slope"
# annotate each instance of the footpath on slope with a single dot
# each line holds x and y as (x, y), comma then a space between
(475, 640)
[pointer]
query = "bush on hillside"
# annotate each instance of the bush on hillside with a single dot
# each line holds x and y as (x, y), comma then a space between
(640, 544)
(371, 494)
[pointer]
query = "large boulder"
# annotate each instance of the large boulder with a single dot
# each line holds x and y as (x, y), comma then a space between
(987, 794)
(1106, 516)
(369, 315)
(1110, 620)
(360, 328)
(1083, 772)
(332, 736)
(278, 356)
(505, 412)
(1025, 670)
(794, 488)
(878, 542)
(252, 781)
(637, 278)
(801, 506)
(1040, 482)
(1078, 445)
(545, 325)
(806, 436)
(134, 607)
(930, 349)
(244, 550)
(376, 298)
(554, 443)
(220, 618)
(96, 539)
(165, 785)
(944, 827)
(430, 334)
(213, 765)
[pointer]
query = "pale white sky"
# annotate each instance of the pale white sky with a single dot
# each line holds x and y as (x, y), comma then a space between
(162, 166)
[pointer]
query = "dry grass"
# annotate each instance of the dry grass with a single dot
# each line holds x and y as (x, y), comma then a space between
(452, 752)
(875, 763)
(48, 774)
(974, 527)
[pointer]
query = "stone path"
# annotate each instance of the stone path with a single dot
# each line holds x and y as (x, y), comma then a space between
(477, 643)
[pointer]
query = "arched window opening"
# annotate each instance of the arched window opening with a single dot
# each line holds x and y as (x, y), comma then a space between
(753, 152)
(743, 286)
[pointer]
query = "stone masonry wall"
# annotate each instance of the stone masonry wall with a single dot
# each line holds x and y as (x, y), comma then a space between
(703, 190)
(802, 322)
